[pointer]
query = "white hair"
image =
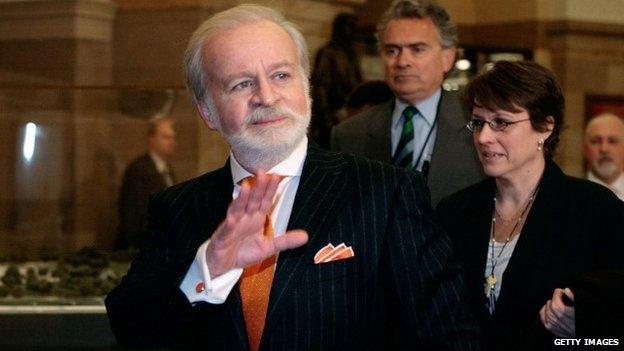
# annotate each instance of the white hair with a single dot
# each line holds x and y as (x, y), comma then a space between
(228, 20)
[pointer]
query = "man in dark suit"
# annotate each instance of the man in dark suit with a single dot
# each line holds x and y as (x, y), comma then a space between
(147, 174)
(422, 128)
(324, 251)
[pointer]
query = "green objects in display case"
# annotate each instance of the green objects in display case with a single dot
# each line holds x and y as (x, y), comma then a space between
(79, 278)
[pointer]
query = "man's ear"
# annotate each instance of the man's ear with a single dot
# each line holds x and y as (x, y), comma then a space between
(448, 58)
(206, 116)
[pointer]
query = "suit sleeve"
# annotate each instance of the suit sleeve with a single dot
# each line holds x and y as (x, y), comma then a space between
(429, 289)
(144, 309)
(131, 219)
(334, 143)
(611, 224)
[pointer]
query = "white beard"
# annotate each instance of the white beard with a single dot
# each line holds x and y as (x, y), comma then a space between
(257, 147)
(606, 170)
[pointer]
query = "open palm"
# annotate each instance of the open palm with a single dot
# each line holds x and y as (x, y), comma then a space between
(241, 240)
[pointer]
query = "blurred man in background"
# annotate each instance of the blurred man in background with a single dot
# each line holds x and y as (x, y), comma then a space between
(147, 174)
(604, 152)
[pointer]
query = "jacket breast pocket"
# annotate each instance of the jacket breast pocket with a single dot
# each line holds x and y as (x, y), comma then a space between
(331, 270)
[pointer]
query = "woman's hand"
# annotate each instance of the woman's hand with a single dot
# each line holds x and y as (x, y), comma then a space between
(558, 317)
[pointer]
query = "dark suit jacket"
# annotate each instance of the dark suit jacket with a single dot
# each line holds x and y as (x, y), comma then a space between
(141, 179)
(599, 305)
(454, 164)
(398, 290)
(574, 226)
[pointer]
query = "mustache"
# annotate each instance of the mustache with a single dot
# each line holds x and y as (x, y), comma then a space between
(264, 113)
(604, 158)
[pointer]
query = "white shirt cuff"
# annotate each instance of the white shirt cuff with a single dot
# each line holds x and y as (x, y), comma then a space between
(217, 289)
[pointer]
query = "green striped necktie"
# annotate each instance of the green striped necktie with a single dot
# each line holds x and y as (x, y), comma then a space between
(404, 154)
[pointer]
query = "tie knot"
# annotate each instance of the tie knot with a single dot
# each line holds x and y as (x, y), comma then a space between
(251, 180)
(409, 112)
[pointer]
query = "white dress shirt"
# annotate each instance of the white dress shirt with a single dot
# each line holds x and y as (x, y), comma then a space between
(217, 289)
(423, 122)
(617, 186)
(499, 259)
(162, 167)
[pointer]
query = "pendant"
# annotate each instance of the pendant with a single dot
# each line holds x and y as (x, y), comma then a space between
(490, 283)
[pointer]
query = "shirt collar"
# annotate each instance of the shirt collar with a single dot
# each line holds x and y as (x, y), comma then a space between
(618, 183)
(161, 165)
(428, 108)
(289, 167)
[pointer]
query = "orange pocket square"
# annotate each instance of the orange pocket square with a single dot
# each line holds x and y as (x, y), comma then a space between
(331, 253)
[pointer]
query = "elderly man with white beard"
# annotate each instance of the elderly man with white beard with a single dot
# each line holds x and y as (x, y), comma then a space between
(604, 152)
(288, 246)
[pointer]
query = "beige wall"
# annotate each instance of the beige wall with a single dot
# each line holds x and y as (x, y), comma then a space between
(502, 11)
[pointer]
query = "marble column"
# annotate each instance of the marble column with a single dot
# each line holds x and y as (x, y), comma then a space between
(49, 50)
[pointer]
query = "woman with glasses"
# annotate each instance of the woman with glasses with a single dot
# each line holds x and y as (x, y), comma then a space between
(525, 234)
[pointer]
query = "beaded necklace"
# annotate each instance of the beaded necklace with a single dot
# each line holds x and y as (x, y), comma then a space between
(491, 280)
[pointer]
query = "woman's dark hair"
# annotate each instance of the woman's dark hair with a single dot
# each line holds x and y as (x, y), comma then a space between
(510, 86)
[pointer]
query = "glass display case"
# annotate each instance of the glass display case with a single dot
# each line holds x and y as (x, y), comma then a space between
(61, 166)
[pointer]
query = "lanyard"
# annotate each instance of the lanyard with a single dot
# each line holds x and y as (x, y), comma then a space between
(422, 150)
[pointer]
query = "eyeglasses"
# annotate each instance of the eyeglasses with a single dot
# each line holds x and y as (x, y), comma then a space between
(497, 124)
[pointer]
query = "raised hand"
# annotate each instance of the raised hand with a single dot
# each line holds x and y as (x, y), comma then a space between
(239, 241)
(557, 317)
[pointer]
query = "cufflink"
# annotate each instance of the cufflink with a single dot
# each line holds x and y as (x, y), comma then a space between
(199, 287)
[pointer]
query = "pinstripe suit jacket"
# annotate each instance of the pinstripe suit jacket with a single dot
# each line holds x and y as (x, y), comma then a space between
(398, 292)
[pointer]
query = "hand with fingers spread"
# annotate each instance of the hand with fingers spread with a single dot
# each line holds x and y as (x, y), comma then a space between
(558, 317)
(240, 239)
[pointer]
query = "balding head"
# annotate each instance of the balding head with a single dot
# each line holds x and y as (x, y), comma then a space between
(162, 137)
(604, 146)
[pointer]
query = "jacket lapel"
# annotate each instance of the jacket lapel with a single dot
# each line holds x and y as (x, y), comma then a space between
(323, 189)
(526, 254)
(211, 206)
(378, 133)
(213, 199)
(477, 241)
(450, 133)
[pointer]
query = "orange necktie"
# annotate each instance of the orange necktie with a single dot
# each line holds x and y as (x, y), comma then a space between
(255, 287)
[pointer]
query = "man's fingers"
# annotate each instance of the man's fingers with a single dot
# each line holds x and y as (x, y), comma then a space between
(271, 189)
(290, 240)
(238, 205)
(257, 192)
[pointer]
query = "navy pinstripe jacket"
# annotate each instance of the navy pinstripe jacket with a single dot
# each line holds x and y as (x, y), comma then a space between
(400, 291)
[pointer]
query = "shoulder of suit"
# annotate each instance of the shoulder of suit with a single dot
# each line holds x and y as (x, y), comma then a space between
(470, 194)
(351, 161)
(587, 192)
(364, 118)
(189, 187)
(139, 165)
(379, 172)
(140, 160)
(451, 105)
